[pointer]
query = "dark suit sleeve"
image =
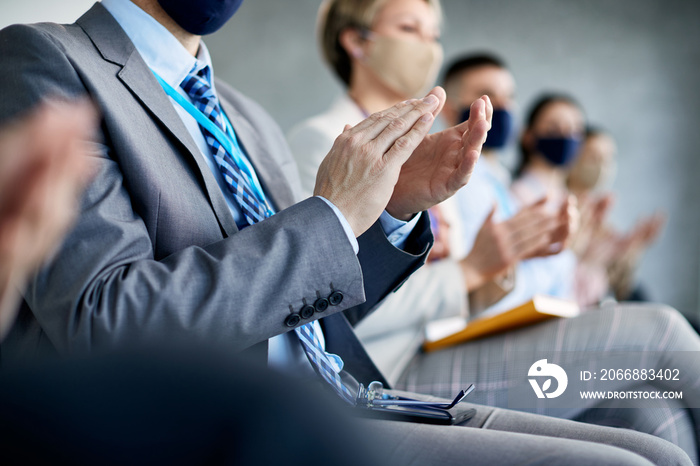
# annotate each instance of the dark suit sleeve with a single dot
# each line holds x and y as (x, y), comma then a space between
(384, 273)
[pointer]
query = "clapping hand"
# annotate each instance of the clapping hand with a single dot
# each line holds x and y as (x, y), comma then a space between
(359, 173)
(388, 161)
(442, 163)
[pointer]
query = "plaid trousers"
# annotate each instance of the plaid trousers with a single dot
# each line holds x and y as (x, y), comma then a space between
(655, 331)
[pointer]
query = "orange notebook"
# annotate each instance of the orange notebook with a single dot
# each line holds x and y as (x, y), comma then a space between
(538, 309)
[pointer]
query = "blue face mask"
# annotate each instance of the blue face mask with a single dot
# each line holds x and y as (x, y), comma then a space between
(501, 130)
(558, 151)
(200, 17)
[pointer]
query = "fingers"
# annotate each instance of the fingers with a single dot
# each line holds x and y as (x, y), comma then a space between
(489, 217)
(438, 92)
(372, 120)
(531, 246)
(489, 109)
(404, 146)
(474, 130)
(532, 214)
(66, 129)
(404, 113)
(393, 129)
(536, 226)
(47, 184)
(539, 203)
(474, 137)
(478, 111)
(565, 205)
(533, 231)
(481, 109)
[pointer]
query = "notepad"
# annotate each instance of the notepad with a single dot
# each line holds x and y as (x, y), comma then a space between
(443, 333)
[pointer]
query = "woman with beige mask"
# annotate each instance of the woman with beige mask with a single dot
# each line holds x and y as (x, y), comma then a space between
(384, 52)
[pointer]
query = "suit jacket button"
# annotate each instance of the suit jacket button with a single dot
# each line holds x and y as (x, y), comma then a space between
(321, 304)
(292, 320)
(307, 311)
(335, 298)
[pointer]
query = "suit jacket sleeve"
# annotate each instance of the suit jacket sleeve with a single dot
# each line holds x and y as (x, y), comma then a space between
(107, 287)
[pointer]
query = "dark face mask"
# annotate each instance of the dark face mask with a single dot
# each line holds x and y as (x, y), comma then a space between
(501, 128)
(200, 17)
(558, 151)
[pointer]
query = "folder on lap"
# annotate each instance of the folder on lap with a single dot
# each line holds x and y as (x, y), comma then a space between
(448, 332)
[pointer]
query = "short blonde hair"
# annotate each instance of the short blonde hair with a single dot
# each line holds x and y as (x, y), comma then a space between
(335, 16)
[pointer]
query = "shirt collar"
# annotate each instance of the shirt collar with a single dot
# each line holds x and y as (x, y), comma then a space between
(346, 106)
(161, 51)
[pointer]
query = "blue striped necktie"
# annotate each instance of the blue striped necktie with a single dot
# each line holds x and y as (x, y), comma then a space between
(198, 88)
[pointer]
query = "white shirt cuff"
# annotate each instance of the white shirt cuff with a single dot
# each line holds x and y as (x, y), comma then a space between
(346, 226)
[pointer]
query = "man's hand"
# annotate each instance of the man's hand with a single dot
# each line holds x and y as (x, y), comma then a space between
(569, 219)
(647, 230)
(442, 163)
(359, 173)
(43, 168)
(500, 246)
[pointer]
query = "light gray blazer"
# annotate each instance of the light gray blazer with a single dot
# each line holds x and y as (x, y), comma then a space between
(156, 253)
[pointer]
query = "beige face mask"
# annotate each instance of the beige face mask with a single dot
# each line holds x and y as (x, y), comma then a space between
(408, 67)
(590, 175)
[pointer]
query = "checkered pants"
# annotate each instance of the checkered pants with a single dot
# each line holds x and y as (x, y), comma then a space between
(656, 330)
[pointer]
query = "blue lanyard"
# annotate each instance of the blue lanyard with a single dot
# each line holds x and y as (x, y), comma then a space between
(502, 194)
(230, 143)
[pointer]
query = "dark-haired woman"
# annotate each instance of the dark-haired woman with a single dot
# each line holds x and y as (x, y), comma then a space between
(550, 143)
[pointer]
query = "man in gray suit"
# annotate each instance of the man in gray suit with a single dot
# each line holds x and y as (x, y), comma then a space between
(176, 239)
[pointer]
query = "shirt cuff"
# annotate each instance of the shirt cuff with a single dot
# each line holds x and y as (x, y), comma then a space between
(346, 226)
(397, 231)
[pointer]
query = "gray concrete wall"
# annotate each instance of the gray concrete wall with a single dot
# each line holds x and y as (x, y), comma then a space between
(635, 66)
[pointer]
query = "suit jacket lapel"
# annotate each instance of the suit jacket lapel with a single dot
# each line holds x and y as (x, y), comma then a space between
(274, 183)
(115, 46)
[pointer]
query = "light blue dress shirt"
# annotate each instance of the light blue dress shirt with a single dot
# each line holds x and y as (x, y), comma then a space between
(165, 55)
(488, 186)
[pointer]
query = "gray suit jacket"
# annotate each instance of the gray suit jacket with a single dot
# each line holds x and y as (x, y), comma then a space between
(156, 253)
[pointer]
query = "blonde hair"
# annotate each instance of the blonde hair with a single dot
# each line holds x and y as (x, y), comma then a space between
(335, 16)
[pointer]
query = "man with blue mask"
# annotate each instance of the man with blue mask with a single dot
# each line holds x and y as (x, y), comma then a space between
(487, 197)
(193, 229)
(552, 274)
(203, 17)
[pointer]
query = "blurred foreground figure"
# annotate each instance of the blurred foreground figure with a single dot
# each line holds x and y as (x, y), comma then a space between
(176, 408)
(43, 168)
(136, 408)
